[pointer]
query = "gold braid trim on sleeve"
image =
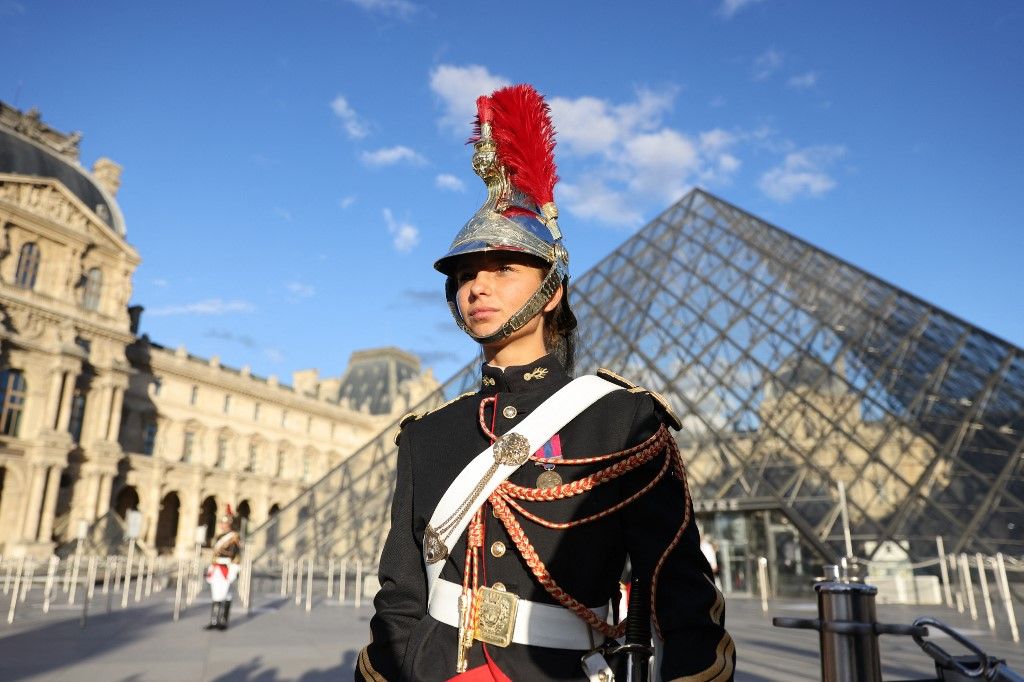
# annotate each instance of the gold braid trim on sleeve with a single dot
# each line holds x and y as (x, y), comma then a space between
(718, 608)
(721, 669)
(366, 668)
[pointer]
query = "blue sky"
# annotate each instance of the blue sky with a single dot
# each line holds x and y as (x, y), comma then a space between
(291, 170)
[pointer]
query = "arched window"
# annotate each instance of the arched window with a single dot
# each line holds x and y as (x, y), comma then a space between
(93, 289)
(13, 388)
(28, 266)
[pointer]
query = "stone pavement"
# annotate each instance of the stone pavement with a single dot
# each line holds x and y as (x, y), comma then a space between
(280, 641)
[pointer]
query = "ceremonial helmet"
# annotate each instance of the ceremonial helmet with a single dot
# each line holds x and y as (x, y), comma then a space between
(228, 516)
(514, 144)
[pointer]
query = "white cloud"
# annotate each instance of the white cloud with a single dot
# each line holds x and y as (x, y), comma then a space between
(389, 156)
(458, 87)
(661, 162)
(274, 355)
(346, 202)
(406, 235)
(593, 199)
(355, 128)
(802, 172)
(729, 8)
(450, 182)
(803, 81)
(767, 63)
(10, 8)
(283, 214)
(209, 306)
(402, 9)
(298, 290)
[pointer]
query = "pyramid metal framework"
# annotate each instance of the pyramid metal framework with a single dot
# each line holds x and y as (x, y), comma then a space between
(792, 370)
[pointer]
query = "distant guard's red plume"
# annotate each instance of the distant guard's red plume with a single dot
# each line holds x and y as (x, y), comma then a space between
(526, 141)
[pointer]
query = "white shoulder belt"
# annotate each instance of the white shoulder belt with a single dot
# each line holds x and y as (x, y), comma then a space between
(487, 471)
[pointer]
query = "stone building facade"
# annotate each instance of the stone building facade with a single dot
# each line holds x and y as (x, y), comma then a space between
(94, 419)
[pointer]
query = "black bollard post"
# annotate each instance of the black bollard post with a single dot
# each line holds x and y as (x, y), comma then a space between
(849, 641)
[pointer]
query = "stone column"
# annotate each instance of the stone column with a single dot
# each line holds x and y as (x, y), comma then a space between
(64, 418)
(53, 399)
(152, 514)
(92, 486)
(103, 500)
(102, 413)
(30, 527)
(114, 416)
(49, 505)
(188, 513)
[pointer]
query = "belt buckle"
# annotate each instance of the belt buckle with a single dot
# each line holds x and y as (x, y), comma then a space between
(496, 616)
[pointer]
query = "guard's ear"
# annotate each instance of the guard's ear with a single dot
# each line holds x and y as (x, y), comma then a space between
(556, 298)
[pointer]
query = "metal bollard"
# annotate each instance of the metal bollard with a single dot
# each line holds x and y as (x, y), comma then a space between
(48, 587)
(330, 577)
(848, 629)
(309, 586)
(762, 581)
(342, 580)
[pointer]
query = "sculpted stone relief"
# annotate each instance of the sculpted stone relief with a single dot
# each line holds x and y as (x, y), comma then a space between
(47, 201)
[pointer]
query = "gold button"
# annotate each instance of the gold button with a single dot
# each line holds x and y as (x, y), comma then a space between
(498, 549)
(510, 412)
(500, 587)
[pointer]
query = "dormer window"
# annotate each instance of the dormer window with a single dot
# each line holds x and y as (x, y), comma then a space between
(28, 266)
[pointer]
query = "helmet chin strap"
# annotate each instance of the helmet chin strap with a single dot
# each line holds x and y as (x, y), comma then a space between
(534, 305)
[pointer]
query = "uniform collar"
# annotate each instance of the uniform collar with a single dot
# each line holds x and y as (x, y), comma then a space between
(545, 372)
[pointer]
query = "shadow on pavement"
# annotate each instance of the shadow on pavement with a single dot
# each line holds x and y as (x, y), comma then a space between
(253, 672)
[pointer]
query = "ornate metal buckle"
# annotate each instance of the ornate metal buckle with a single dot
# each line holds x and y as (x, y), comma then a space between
(496, 616)
(434, 548)
(512, 449)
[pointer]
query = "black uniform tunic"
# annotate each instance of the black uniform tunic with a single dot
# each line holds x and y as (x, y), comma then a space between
(586, 561)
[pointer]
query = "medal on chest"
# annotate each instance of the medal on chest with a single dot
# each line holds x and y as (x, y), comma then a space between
(552, 451)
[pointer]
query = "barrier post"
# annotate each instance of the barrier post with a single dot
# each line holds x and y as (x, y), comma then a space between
(989, 616)
(1004, 589)
(330, 577)
(359, 583)
(48, 587)
(762, 580)
(944, 571)
(965, 569)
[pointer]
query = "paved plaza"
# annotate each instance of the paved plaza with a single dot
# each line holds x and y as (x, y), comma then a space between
(281, 641)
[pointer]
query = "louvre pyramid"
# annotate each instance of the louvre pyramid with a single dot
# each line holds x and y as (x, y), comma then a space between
(792, 370)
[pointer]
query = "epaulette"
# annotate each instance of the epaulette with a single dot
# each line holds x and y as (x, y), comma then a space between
(413, 416)
(659, 399)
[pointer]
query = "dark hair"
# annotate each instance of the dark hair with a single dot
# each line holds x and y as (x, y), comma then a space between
(560, 332)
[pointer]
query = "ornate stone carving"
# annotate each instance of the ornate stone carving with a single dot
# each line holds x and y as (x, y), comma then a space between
(30, 124)
(45, 200)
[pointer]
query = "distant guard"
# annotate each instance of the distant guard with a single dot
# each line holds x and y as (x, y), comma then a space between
(221, 574)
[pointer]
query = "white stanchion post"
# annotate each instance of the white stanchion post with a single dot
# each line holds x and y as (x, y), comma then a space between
(106, 575)
(965, 568)
(342, 580)
(177, 591)
(359, 583)
(27, 584)
(126, 587)
(989, 616)
(51, 572)
(67, 568)
(76, 565)
(298, 581)
(8, 576)
(15, 591)
(762, 579)
(1004, 589)
(149, 576)
(959, 583)
(944, 570)
(117, 574)
(309, 585)
(330, 577)
(92, 569)
(284, 577)
(139, 579)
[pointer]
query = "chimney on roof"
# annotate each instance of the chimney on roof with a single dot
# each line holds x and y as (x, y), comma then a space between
(107, 174)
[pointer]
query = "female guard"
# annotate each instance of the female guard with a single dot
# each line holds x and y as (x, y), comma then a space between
(518, 506)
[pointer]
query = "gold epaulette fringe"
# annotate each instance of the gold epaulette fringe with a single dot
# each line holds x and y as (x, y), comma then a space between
(413, 416)
(659, 399)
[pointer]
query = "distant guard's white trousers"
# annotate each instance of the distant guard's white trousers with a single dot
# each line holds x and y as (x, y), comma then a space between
(221, 575)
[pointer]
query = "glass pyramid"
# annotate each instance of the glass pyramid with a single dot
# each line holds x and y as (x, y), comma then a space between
(792, 371)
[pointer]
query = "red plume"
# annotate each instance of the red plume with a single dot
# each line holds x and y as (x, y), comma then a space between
(526, 140)
(483, 115)
(227, 509)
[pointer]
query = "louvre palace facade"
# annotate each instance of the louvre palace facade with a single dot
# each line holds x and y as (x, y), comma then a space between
(96, 420)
